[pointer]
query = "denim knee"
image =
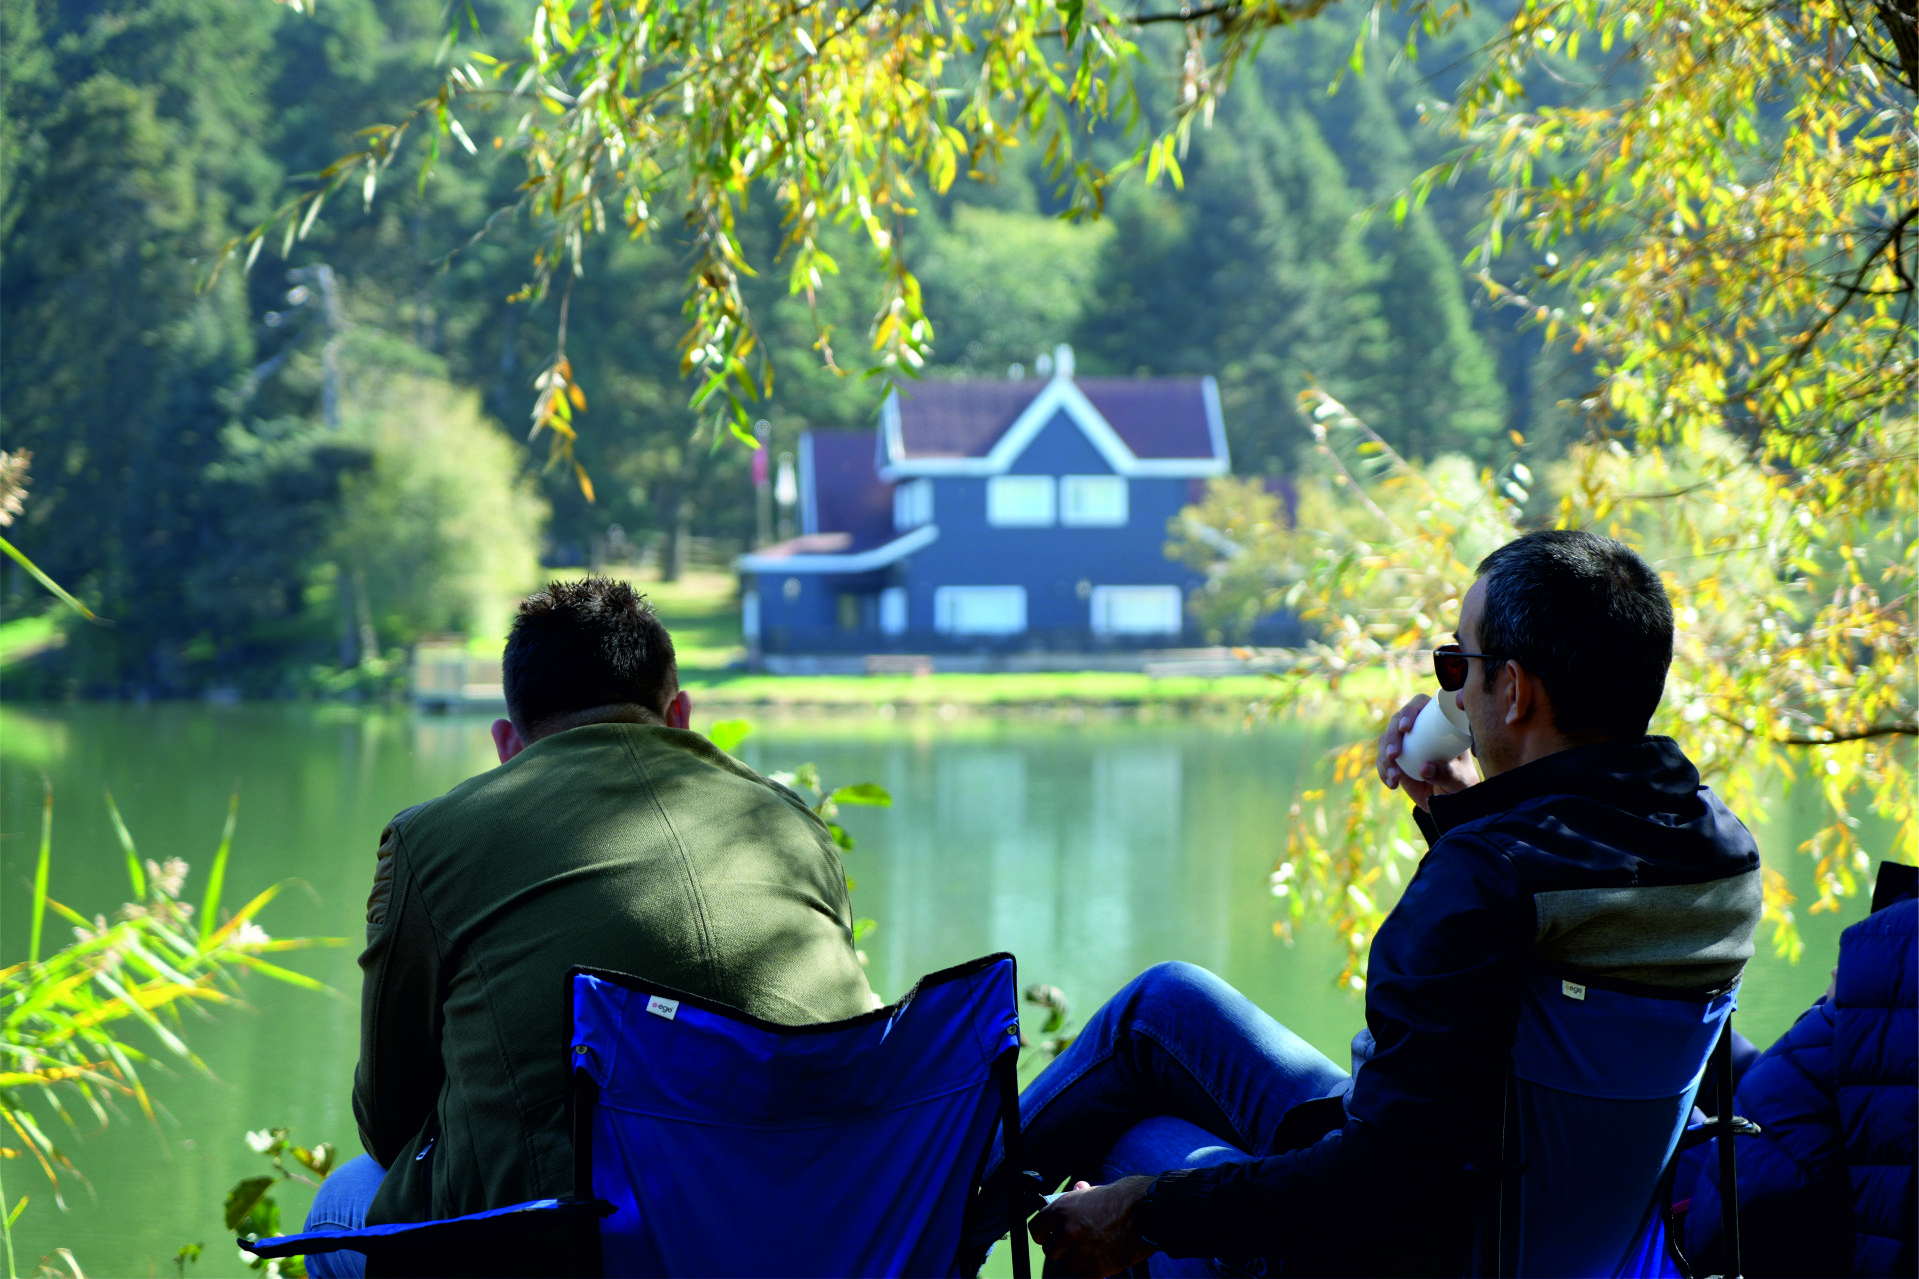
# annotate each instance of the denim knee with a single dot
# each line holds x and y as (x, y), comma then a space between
(1179, 984)
(342, 1199)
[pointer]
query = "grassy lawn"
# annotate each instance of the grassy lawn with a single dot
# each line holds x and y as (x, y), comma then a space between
(1056, 688)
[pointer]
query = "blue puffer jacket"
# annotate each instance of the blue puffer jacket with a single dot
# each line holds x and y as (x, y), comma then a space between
(1827, 1187)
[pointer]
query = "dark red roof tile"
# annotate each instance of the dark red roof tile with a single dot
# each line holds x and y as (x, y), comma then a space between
(1157, 417)
(960, 419)
(848, 494)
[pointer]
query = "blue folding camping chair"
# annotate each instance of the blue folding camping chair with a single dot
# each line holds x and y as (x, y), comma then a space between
(709, 1142)
(1601, 1084)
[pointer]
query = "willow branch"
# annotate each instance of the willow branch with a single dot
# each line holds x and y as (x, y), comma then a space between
(1908, 728)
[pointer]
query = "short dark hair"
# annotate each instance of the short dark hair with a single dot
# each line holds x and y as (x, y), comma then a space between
(1590, 618)
(578, 645)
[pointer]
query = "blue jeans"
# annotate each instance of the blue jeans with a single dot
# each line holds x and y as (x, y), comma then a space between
(1177, 1070)
(341, 1204)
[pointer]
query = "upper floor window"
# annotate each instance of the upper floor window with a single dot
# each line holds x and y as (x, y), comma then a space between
(912, 505)
(1019, 501)
(1092, 500)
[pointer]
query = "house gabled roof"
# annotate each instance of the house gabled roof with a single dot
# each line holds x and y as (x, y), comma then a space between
(840, 488)
(846, 513)
(1142, 426)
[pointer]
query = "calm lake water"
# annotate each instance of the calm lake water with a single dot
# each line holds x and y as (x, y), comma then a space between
(1089, 849)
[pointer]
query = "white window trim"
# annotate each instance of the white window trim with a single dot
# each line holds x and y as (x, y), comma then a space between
(1029, 483)
(948, 600)
(1068, 484)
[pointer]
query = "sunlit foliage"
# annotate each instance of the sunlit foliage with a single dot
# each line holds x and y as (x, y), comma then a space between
(82, 1019)
(847, 115)
(1793, 665)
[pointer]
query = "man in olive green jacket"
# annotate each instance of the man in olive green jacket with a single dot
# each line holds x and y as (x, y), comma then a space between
(610, 836)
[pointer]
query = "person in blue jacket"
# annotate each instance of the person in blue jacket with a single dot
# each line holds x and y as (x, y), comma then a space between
(1577, 841)
(1826, 1187)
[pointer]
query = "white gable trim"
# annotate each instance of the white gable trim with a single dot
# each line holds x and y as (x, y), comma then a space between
(809, 487)
(862, 562)
(1216, 424)
(1059, 395)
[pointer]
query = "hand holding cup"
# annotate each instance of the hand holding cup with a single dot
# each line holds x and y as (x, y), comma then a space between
(1426, 749)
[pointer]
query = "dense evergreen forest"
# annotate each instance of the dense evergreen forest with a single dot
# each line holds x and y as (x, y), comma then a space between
(274, 484)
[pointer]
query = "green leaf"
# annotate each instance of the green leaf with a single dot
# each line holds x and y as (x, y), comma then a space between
(317, 1160)
(244, 1198)
(217, 877)
(40, 874)
(871, 794)
(727, 734)
(47, 582)
(134, 872)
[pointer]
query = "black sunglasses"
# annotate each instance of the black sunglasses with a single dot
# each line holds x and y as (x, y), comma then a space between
(1449, 664)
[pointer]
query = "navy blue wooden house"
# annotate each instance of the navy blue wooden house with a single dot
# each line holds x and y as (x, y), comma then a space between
(994, 516)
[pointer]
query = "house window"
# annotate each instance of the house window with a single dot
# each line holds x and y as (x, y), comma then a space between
(893, 611)
(1089, 501)
(979, 610)
(1136, 610)
(750, 616)
(912, 505)
(847, 611)
(1019, 501)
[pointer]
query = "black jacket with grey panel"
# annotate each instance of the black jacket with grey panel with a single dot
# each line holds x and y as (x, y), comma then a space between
(1609, 861)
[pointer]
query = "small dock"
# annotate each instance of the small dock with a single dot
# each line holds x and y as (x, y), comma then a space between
(448, 677)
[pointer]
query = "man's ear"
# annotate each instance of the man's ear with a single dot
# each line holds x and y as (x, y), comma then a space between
(1527, 699)
(507, 740)
(679, 711)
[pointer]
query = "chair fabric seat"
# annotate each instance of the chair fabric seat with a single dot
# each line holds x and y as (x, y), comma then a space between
(1604, 1076)
(711, 1143)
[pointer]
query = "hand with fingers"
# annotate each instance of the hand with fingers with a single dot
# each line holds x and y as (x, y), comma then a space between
(1445, 777)
(1089, 1230)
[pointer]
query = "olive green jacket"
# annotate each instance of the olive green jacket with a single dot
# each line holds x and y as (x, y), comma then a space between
(623, 846)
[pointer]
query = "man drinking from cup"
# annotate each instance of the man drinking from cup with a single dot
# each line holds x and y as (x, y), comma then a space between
(1205, 1138)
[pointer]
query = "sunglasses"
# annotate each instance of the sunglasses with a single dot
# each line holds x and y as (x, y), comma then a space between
(1449, 664)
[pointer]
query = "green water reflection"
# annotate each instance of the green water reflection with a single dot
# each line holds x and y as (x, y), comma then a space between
(1088, 849)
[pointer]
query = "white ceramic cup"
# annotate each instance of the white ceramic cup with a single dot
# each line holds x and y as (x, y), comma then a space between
(1441, 732)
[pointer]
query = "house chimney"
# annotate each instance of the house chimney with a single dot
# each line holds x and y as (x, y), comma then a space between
(1063, 361)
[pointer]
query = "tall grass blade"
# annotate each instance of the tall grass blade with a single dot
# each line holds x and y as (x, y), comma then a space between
(217, 877)
(287, 975)
(13, 553)
(242, 915)
(134, 873)
(40, 873)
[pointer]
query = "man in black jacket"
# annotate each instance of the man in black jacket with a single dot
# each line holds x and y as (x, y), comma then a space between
(1588, 846)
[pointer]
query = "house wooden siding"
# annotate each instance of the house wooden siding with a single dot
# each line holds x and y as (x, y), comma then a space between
(828, 592)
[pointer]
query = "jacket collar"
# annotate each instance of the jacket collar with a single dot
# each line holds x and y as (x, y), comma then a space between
(1639, 774)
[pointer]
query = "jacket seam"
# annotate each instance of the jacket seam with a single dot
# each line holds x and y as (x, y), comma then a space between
(693, 890)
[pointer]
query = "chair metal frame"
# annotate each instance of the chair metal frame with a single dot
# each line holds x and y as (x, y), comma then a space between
(1725, 1127)
(1504, 1205)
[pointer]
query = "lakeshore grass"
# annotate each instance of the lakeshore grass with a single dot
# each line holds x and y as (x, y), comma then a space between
(702, 610)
